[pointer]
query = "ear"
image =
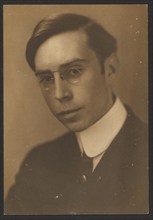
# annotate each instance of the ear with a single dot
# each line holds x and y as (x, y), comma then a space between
(111, 66)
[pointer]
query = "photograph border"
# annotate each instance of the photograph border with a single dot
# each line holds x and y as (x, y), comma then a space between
(150, 98)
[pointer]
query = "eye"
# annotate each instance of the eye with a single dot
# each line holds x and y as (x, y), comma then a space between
(75, 72)
(48, 78)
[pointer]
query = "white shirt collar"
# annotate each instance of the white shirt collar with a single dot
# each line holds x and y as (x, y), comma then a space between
(97, 138)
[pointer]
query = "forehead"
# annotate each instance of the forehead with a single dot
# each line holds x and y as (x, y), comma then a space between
(62, 48)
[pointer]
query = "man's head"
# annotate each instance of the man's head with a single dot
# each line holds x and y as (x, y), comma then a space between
(98, 38)
(72, 57)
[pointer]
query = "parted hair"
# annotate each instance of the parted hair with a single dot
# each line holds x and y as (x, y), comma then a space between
(99, 40)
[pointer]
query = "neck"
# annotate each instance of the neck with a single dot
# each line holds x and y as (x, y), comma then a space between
(111, 100)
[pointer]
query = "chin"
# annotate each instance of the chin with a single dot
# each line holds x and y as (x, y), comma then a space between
(76, 127)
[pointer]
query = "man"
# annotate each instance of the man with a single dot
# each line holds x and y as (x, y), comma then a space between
(100, 167)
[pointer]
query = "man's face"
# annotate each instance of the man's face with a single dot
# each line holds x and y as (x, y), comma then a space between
(80, 97)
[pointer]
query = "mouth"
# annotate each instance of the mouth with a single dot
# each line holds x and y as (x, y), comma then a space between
(69, 113)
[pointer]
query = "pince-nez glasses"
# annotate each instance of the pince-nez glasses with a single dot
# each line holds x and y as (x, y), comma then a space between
(71, 75)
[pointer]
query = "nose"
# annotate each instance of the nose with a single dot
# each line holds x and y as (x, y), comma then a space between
(62, 90)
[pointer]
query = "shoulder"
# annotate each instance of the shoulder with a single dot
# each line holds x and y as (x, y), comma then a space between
(134, 134)
(136, 159)
(47, 156)
(53, 145)
(134, 119)
(50, 152)
(129, 149)
(46, 160)
(35, 180)
(134, 128)
(135, 150)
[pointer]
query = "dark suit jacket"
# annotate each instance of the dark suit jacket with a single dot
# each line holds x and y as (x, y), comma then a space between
(50, 179)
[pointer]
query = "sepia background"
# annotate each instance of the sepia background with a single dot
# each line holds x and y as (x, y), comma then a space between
(27, 119)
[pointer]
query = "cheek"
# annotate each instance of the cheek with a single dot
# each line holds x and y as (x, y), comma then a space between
(94, 97)
(50, 100)
(91, 89)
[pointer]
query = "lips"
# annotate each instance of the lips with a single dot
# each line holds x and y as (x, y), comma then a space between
(69, 112)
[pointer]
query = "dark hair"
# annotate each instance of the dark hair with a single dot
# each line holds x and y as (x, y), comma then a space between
(102, 43)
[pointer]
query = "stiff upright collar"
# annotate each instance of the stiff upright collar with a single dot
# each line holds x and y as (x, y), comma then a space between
(96, 139)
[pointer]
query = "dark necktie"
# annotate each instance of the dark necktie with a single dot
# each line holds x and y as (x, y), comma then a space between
(86, 166)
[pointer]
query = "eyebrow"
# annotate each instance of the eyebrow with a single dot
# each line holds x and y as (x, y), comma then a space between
(70, 63)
